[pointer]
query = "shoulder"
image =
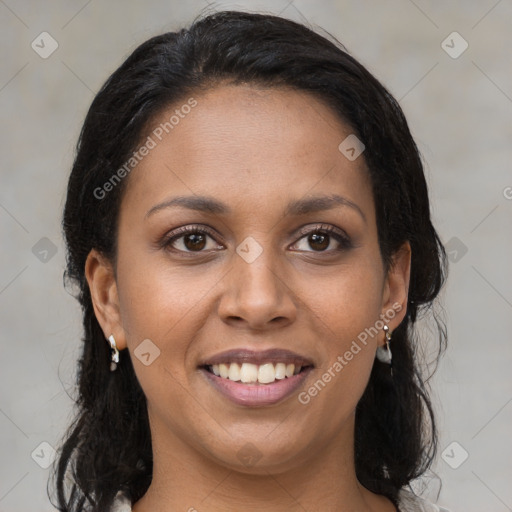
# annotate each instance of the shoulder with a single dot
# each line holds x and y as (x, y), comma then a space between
(409, 502)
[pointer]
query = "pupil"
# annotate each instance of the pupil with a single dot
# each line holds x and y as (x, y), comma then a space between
(196, 239)
(322, 240)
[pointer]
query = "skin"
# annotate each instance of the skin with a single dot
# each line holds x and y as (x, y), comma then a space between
(255, 150)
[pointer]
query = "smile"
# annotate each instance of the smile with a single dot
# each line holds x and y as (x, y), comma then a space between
(256, 393)
(248, 373)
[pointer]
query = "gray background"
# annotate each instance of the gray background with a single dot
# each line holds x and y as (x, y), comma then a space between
(459, 110)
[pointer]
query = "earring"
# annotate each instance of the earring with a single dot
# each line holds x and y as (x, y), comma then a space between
(115, 353)
(384, 354)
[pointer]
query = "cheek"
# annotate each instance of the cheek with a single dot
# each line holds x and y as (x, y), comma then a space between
(349, 348)
(350, 300)
(348, 309)
(163, 305)
(156, 297)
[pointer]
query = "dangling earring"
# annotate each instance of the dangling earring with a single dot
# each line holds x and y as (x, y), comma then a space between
(384, 354)
(115, 353)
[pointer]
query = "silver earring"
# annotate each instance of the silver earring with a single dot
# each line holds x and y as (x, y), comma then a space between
(115, 353)
(384, 354)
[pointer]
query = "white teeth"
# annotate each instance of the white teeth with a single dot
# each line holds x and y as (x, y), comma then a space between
(266, 373)
(234, 372)
(250, 373)
(280, 371)
(223, 369)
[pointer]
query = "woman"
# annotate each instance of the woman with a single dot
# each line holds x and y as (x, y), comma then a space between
(248, 222)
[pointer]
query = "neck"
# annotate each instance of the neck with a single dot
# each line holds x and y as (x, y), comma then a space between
(186, 480)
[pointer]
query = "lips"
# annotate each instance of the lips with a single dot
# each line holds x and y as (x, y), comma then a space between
(256, 395)
(258, 358)
(256, 378)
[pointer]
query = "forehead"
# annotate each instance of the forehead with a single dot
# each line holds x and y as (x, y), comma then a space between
(259, 146)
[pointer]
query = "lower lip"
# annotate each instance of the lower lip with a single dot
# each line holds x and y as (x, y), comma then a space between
(253, 395)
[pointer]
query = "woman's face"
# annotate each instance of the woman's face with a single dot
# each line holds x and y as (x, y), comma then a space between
(263, 177)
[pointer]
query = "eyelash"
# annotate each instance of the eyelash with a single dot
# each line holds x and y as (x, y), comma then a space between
(325, 229)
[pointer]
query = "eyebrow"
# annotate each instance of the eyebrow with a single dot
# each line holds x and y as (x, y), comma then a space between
(298, 207)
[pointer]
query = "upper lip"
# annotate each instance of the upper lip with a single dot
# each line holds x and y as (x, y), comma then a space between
(274, 355)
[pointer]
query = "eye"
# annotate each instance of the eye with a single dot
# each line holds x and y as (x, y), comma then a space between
(194, 239)
(320, 238)
(189, 239)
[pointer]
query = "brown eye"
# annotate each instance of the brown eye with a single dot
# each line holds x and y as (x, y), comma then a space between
(189, 239)
(320, 238)
(318, 242)
(194, 241)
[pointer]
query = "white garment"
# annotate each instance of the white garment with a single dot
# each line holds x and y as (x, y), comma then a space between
(408, 502)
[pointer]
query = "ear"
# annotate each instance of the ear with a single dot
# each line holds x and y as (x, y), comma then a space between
(102, 284)
(396, 287)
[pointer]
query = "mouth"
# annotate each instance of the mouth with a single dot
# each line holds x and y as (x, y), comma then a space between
(256, 367)
(248, 373)
(250, 378)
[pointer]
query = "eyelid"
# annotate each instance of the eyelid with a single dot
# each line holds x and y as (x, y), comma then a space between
(306, 230)
(193, 228)
(339, 234)
(177, 233)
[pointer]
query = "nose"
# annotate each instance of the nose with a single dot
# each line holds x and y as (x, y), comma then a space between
(255, 296)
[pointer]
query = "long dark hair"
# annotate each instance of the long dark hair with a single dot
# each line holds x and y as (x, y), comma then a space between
(108, 446)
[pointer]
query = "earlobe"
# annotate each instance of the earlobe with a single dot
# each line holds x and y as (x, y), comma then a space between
(103, 287)
(396, 288)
